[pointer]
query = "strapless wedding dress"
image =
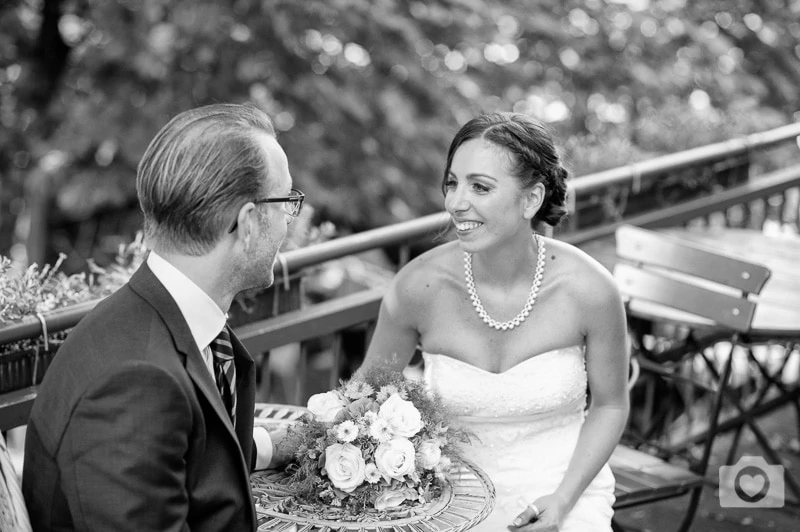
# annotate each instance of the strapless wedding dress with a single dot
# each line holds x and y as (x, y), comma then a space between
(527, 421)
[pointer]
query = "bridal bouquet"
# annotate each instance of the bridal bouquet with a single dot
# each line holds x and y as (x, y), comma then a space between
(379, 446)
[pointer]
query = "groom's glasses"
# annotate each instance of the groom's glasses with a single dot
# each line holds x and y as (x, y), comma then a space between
(292, 204)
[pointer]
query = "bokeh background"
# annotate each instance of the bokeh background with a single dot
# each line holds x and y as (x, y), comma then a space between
(365, 94)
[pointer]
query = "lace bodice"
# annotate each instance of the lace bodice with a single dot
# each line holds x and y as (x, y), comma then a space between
(526, 422)
(554, 381)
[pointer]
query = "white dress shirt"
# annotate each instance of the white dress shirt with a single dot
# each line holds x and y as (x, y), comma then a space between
(205, 320)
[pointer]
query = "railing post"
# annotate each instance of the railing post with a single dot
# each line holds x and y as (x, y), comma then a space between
(572, 211)
(404, 256)
(301, 392)
(333, 378)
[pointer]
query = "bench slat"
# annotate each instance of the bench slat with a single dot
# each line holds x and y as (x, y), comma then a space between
(15, 407)
(642, 477)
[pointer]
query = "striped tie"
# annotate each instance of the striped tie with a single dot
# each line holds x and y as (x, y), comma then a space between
(225, 371)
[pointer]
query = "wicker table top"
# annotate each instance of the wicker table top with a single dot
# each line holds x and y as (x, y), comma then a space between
(467, 499)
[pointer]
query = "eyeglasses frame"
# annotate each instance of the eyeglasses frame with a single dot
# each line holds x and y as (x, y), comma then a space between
(298, 198)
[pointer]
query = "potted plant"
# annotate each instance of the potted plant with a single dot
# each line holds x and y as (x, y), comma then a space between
(32, 293)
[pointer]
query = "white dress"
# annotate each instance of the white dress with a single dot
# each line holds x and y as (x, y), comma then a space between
(527, 421)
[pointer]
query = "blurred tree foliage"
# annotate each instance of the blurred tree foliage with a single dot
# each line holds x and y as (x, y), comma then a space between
(365, 94)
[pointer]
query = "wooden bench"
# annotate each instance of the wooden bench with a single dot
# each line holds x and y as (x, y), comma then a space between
(15, 408)
(643, 478)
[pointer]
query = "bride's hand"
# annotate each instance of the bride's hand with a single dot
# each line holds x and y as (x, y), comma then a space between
(281, 453)
(550, 510)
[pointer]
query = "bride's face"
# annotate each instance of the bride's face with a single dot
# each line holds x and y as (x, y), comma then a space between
(482, 196)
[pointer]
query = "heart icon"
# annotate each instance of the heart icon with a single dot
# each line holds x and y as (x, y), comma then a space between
(752, 485)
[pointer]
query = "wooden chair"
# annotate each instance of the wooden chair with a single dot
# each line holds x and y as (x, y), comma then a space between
(680, 299)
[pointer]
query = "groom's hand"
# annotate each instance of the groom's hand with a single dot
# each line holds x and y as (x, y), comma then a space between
(543, 515)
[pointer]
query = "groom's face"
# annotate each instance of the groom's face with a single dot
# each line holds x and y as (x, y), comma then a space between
(273, 219)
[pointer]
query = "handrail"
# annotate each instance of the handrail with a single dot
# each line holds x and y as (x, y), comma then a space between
(389, 235)
(57, 320)
(312, 322)
(767, 184)
(683, 159)
(433, 225)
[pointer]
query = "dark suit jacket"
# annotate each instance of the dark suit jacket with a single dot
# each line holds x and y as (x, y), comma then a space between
(129, 431)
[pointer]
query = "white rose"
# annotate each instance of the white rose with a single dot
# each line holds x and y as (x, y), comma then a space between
(429, 454)
(325, 406)
(345, 466)
(392, 498)
(402, 416)
(395, 458)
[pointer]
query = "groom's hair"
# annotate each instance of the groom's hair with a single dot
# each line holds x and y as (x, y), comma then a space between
(198, 171)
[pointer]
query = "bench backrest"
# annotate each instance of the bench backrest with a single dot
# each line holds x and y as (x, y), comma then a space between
(666, 270)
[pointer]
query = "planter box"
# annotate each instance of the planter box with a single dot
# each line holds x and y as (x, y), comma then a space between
(25, 365)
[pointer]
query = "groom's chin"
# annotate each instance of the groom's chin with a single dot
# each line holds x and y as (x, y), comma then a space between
(265, 280)
(266, 283)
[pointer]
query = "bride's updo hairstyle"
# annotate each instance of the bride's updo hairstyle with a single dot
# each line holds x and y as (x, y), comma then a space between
(532, 154)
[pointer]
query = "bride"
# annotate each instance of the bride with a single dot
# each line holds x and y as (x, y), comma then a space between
(515, 329)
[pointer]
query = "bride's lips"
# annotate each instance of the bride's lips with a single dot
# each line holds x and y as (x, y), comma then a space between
(466, 226)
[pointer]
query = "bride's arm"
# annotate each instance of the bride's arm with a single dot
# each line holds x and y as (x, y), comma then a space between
(396, 336)
(603, 316)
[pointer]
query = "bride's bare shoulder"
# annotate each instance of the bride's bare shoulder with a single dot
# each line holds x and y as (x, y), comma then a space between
(580, 273)
(428, 273)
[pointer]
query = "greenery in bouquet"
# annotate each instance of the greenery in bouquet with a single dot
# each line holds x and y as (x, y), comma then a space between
(377, 446)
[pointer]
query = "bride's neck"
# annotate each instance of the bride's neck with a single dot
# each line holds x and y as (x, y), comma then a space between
(506, 265)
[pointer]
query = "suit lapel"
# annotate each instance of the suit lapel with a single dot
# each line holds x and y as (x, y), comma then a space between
(147, 285)
(245, 393)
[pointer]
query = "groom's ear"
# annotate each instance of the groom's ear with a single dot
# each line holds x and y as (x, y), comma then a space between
(244, 223)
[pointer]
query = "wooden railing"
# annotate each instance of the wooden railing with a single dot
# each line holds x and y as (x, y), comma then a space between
(657, 183)
(772, 197)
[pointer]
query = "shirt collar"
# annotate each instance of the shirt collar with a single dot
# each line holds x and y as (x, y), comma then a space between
(202, 314)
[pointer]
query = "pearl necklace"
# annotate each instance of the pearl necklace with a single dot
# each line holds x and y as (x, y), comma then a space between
(526, 310)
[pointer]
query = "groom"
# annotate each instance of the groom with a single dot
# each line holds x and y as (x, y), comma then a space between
(144, 420)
